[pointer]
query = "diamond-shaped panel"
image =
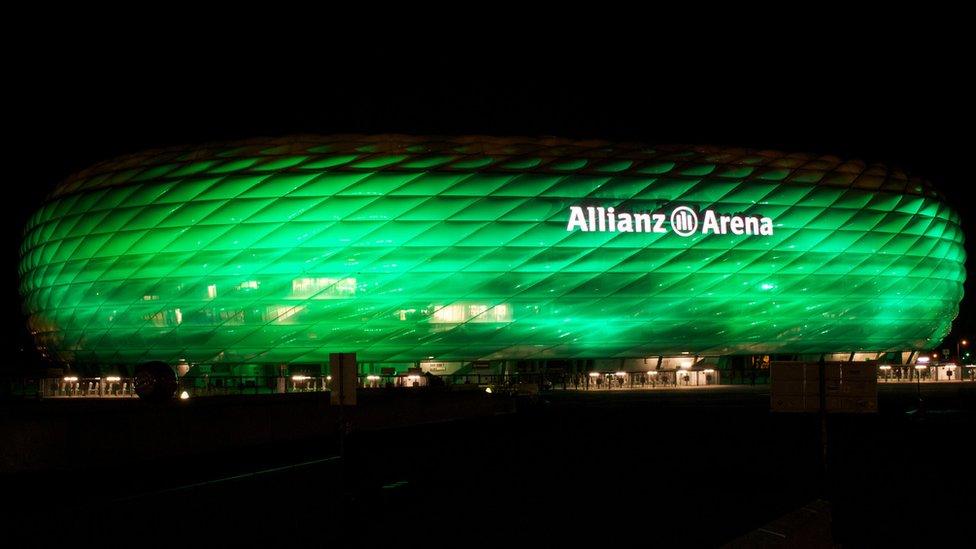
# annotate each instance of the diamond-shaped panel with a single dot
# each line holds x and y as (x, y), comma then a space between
(403, 248)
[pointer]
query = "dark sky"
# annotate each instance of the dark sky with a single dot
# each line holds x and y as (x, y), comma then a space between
(911, 109)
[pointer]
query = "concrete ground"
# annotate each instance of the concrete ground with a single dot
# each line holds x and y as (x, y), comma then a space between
(660, 468)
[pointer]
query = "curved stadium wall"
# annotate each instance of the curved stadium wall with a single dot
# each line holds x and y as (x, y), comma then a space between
(409, 248)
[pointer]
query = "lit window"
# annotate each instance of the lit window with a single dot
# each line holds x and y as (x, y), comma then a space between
(323, 287)
(498, 313)
(157, 319)
(474, 312)
(402, 313)
(282, 314)
(165, 318)
(448, 314)
(231, 317)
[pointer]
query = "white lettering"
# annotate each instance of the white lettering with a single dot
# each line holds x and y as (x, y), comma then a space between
(576, 219)
(643, 222)
(752, 225)
(736, 225)
(710, 223)
(659, 223)
(684, 221)
(624, 222)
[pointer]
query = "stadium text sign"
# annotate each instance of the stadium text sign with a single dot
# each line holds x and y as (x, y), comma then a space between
(682, 220)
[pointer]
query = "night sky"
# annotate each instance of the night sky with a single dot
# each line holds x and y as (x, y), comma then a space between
(904, 111)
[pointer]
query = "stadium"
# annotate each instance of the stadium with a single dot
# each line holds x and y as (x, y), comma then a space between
(450, 254)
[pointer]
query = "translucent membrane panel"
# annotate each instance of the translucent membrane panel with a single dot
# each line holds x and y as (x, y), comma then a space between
(400, 249)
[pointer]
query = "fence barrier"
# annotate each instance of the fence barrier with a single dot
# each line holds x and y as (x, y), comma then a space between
(71, 386)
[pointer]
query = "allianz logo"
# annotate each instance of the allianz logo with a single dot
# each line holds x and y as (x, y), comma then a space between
(682, 220)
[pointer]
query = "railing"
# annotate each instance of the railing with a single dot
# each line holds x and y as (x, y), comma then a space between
(123, 387)
(68, 386)
(214, 385)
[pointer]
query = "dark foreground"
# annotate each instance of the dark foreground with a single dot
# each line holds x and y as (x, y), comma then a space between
(682, 468)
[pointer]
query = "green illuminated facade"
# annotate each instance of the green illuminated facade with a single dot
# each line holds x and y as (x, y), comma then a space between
(403, 249)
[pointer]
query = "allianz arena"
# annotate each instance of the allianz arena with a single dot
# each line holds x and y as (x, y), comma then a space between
(404, 249)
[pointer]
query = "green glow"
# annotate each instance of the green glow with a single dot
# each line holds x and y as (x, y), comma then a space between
(400, 249)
